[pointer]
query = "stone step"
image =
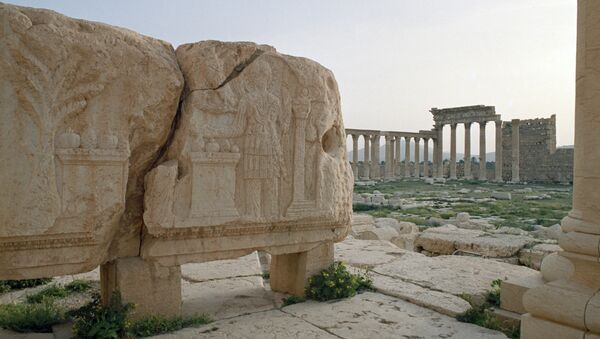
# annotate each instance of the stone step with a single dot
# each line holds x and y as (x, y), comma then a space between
(507, 317)
(512, 290)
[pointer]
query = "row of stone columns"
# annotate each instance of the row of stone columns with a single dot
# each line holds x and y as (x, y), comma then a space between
(438, 156)
(371, 163)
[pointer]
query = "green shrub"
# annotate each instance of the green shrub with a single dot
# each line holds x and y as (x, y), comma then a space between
(95, 320)
(291, 300)
(31, 317)
(154, 325)
(493, 296)
(336, 282)
(362, 207)
(54, 291)
(7, 285)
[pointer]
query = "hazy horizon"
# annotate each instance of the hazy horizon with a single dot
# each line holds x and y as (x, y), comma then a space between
(393, 60)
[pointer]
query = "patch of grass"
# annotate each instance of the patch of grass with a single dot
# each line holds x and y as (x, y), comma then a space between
(55, 291)
(483, 315)
(31, 317)
(155, 325)
(291, 300)
(337, 282)
(7, 285)
(358, 207)
(447, 215)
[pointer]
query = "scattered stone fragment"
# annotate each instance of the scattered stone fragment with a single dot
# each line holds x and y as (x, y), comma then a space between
(501, 195)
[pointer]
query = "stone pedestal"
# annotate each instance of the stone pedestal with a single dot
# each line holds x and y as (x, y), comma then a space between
(289, 273)
(467, 150)
(453, 151)
(153, 289)
(570, 308)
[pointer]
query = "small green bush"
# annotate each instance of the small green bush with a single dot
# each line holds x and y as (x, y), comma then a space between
(336, 282)
(95, 320)
(155, 325)
(77, 286)
(362, 207)
(37, 317)
(291, 300)
(493, 296)
(7, 285)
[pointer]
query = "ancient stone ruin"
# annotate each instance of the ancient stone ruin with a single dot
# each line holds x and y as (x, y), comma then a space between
(535, 159)
(119, 151)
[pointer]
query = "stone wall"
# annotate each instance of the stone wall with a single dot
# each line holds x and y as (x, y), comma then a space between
(539, 159)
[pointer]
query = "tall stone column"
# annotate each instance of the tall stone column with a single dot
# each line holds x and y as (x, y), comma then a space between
(417, 171)
(440, 151)
(407, 157)
(367, 153)
(498, 164)
(355, 156)
(482, 169)
(570, 308)
(375, 163)
(515, 147)
(426, 157)
(389, 156)
(452, 151)
(467, 168)
(397, 171)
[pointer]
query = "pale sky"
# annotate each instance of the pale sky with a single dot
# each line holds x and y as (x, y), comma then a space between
(394, 59)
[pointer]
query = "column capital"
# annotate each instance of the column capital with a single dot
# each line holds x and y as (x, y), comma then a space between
(467, 124)
(498, 123)
(453, 125)
(482, 124)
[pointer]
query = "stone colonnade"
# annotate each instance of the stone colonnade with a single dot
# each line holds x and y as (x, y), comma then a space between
(570, 307)
(394, 166)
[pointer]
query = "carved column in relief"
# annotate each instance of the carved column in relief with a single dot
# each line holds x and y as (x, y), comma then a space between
(482, 164)
(367, 155)
(467, 157)
(452, 151)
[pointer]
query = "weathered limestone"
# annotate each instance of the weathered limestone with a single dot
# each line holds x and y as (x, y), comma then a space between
(407, 156)
(515, 150)
(85, 109)
(355, 155)
(397, 171)
(367, 154)
(498, 155)
(417, 171)
(467, 169)
(439, 150)
(570, 308)
(426, 157)
(482, 161)
(452, 151)
(389, 156)
(375, 163)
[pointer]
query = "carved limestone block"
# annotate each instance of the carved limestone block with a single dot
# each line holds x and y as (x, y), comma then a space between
(84, 109)
(258, 160)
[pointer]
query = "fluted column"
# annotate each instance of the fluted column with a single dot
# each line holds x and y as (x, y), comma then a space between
(498, 164)
(482, 169)
(570, 307)
(355, 156)
(397, 171)
(515, 147)
(467, 157)
(440, 152)
(367, 161)
(407, 157)
(389, 156)
(417, 172)
(375, 163)
(425, 157)
(452, 151)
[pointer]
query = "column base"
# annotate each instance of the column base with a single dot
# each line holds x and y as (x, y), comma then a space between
(289, 273)
(153, 289)
(538, 328)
